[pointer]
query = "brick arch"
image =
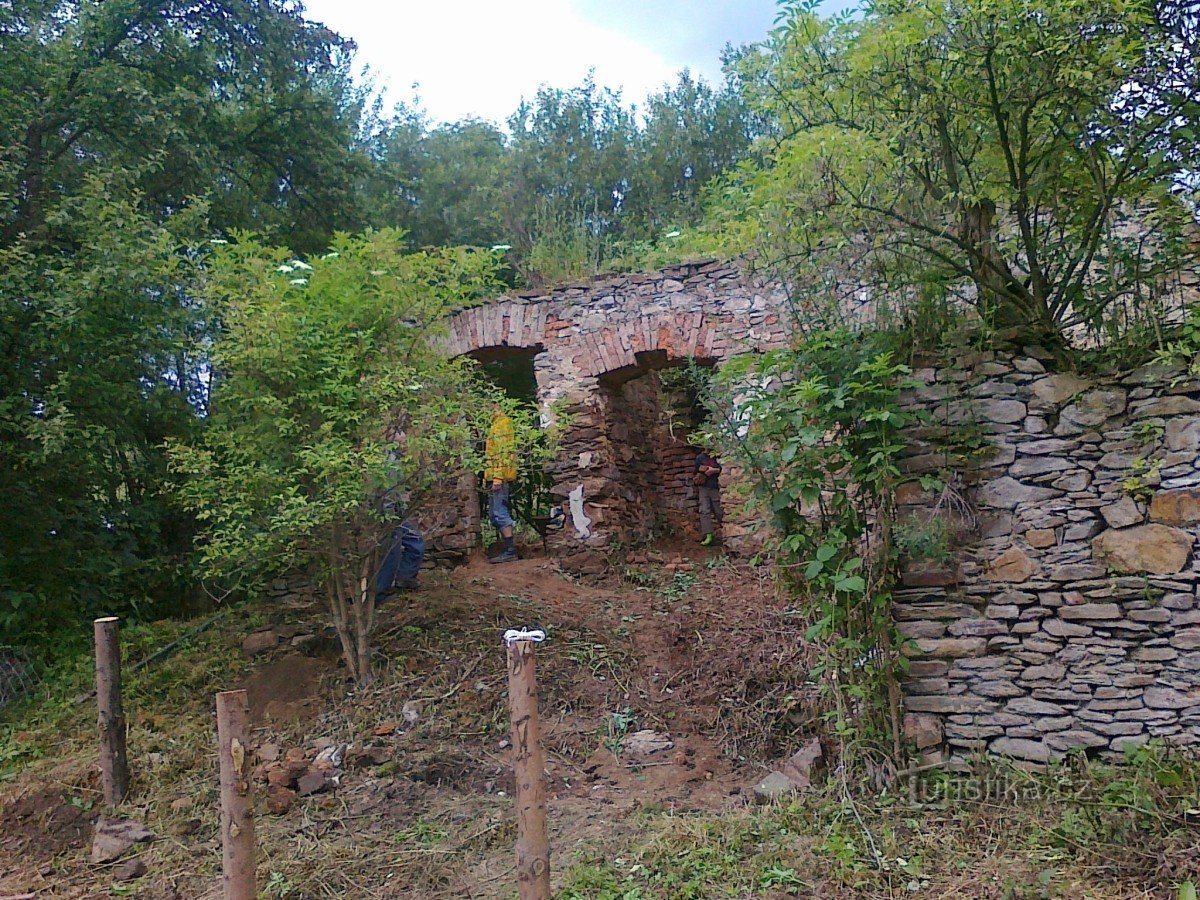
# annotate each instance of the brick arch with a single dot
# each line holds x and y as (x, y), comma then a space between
(623, 348)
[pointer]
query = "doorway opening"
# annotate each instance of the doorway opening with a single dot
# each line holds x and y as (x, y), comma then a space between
(512, 370)
(652, 416)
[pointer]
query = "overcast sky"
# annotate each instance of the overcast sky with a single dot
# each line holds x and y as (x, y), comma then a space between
(479, 58)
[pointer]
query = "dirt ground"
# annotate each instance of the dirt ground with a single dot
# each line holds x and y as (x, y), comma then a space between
(702, 650)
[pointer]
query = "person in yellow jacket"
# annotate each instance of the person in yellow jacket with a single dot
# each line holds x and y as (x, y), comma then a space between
(501, 460)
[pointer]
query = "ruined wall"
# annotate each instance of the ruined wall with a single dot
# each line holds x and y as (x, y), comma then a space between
(1070, 617)
(595, 344)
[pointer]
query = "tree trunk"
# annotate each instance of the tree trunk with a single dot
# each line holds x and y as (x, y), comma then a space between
(237, 806)
(533, 847)
(114, 761)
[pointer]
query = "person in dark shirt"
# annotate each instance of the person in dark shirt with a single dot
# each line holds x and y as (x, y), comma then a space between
(708, 486)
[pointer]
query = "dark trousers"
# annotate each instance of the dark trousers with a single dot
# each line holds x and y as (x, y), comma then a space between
(403, 560)
(710, 509)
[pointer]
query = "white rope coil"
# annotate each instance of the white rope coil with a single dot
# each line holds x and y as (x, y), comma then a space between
(524, 634)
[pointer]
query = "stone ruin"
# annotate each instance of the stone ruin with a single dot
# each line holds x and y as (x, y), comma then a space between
(1066, 615)
(623, 470)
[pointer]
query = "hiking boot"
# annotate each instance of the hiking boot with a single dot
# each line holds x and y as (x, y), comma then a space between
(504, 556)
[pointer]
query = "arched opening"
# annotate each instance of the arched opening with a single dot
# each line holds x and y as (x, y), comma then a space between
(513, 370)
(651, 414)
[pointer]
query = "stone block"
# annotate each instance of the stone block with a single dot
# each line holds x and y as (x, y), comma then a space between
(1013, 566)
(951, 648)
(1041, 538)
(1054, 389)
(1158, 549)
(1090, 611)
(1123, 513)
(1008, 493)
(1021, 748)
(1177, 507)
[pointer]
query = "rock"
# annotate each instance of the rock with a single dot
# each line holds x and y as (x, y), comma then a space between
(1166, 406)
(385, 728)
(113, 837)
(1061, 629)
(951, 648)
(312, 782)
(1088, 611)
(130, 869)
(268, 752)
(1008, 493)
(1186, 639)
(801, 766)
(1013, 566)
(923, 730)
(774, 787)
(1122, 514)
(1075, 737)
(411, 711)
(1031, 707)
(1054, 389)
(280, 800)
(1183, 435)
(1020, 748)
(1004, 412)
(1178, 507)
(646, 742)
(1166, 698)
(1041, 538)
(1158, 549)
(1001, 690)
(1092, 409)
(260, 642)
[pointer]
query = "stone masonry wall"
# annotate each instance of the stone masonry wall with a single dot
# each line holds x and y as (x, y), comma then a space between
(1068, 615)
(593, 343)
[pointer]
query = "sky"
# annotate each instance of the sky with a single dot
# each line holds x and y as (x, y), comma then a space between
(479, 58)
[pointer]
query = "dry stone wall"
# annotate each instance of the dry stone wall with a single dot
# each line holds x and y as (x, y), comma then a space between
(1068, 616)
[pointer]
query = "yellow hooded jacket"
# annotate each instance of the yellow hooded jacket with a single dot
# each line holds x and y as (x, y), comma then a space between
(501, 450)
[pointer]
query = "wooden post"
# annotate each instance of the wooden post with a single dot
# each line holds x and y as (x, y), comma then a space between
(533, 848)
(237, 806)
(114, 760)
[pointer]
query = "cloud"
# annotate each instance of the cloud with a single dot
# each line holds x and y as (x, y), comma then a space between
(474, 58)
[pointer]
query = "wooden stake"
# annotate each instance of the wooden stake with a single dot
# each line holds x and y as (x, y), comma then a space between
(237, 806)
(114, 760)
(533, 848)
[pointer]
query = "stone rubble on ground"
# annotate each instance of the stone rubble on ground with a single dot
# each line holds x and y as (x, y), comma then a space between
(113, 837)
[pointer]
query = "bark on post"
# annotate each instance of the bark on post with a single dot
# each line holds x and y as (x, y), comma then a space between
(114, 761)
(237, 806)
(533, 848)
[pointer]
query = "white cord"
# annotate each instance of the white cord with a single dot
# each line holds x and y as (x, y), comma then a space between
(523, 634)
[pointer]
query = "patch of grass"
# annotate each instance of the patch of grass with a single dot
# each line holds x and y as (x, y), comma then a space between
(1078, 830)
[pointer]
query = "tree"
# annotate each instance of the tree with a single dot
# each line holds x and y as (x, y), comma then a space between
(97, 369)
(245, 101)
(937, 143)
(333, 406)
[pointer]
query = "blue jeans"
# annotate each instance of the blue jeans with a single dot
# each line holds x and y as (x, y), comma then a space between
(498, 506)
(403, 560)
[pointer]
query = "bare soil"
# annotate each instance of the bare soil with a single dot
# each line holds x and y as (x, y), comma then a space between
(702, 650)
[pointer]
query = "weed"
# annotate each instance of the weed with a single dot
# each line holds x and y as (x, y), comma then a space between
(278, 886)
(617, 725)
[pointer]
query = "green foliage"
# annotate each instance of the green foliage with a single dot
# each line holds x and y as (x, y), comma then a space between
(924, 540)
(334, 414)
(984, 150)
(99, 369)
(817, 428)
(246, 102)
